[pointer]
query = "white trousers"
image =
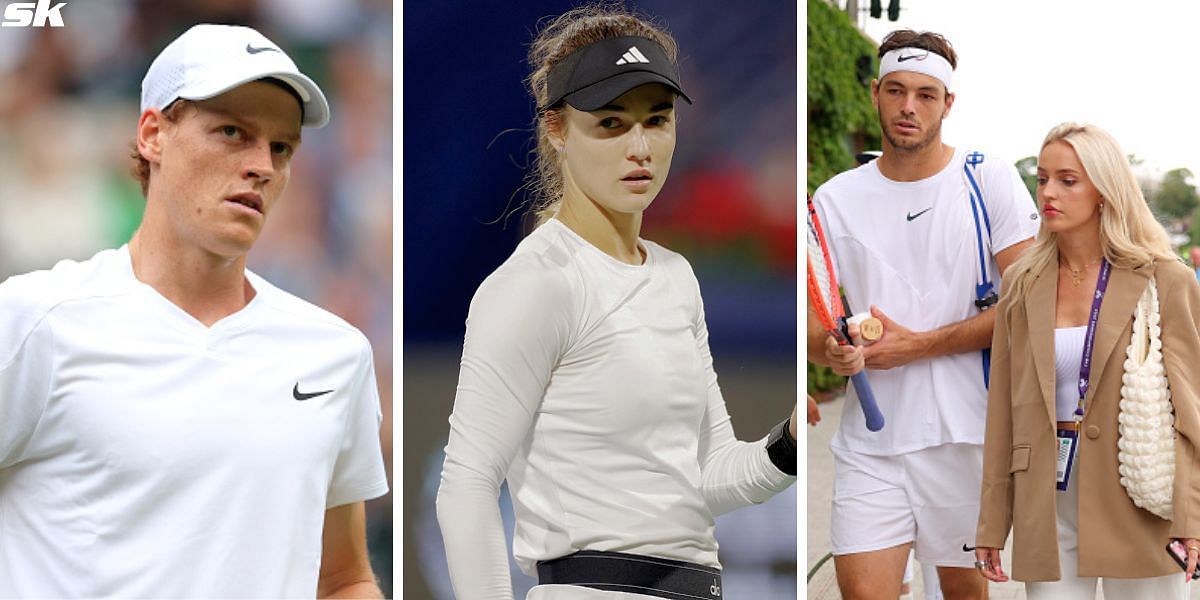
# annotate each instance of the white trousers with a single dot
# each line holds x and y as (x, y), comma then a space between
(1074, 587)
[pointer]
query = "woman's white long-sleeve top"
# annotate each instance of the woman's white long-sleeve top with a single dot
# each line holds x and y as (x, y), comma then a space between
(589, 385)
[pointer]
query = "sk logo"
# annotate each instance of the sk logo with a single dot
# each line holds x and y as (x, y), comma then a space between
(33, 14)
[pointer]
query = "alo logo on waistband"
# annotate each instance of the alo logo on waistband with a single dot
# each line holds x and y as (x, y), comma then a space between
(715, 589)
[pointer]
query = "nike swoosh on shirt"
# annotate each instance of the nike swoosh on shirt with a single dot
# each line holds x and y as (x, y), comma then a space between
(911, 216)
(301, 396)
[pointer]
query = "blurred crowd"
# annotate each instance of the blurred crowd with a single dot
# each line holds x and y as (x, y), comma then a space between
(69, 100)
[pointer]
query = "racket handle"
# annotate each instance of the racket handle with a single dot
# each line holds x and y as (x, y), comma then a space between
(866, 398)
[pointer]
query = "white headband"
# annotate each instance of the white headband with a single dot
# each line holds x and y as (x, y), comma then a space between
(917, 60)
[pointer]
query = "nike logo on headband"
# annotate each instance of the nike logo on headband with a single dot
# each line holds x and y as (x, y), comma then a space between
(912, 56)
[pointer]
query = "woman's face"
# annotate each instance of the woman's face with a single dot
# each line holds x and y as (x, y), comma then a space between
(1065, 194)
(617, 158)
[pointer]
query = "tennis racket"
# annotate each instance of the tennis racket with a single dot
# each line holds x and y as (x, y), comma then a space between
(822, 580)
(830, 306)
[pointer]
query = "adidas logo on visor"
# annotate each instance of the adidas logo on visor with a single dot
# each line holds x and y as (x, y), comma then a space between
(633, 55)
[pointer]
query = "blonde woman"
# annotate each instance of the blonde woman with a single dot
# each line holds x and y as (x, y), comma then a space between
(586, 378)
(1058, 356)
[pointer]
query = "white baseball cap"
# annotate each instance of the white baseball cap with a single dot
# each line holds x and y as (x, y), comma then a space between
(209, 60)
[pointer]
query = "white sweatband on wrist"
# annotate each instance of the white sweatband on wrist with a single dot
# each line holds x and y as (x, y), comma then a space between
(858, 318)
(917, 60)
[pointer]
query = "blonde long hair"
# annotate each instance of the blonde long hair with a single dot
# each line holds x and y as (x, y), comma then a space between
(1130, 237)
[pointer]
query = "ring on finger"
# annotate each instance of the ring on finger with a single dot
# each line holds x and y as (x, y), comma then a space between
(979, 564)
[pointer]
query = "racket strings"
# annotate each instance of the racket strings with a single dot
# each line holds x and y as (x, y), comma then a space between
(822, 282)
(820, 277)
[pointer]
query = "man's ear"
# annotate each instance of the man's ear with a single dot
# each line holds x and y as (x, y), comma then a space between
(149, 135)
(949, 103)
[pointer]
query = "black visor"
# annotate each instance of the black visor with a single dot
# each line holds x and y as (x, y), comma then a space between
(595, 75)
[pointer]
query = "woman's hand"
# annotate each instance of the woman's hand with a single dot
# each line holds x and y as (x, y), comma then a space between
(814, 413)
(1193, 553)
(987, 560)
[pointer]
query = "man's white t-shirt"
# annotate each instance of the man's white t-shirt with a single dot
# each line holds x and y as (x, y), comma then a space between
(588, 384)
(143, 454)
(910, 249)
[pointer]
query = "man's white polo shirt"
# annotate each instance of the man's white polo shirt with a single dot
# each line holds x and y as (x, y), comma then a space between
(144, 454)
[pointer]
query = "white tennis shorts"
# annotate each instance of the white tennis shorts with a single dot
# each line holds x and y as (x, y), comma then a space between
(929, 497)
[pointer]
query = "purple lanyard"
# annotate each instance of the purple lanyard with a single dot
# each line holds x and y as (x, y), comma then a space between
(1085, 365)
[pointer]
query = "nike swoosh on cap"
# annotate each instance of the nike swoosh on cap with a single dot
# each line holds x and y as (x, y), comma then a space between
(252, 50)
(297, 394)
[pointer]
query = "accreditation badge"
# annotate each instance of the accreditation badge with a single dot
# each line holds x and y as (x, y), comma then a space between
(1066, 457)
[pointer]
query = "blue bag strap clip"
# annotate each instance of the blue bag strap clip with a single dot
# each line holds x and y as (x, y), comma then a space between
(985, 291)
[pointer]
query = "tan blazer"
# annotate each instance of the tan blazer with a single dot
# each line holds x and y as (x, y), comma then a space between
(1116, 538)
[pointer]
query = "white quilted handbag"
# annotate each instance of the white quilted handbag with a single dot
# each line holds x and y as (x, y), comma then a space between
(1146, 448)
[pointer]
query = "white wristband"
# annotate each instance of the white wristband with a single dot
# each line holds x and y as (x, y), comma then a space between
(870, 328)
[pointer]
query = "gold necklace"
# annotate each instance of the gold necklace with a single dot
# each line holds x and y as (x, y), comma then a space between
(1077, 274)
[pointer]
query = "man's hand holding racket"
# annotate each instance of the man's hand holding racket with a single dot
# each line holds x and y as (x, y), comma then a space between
(845, 360)
(897, 347)
(829, 307)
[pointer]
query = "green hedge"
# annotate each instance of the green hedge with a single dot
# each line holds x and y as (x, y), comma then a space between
(841, 64)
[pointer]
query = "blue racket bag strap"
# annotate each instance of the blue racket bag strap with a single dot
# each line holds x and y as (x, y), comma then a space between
(985, 291)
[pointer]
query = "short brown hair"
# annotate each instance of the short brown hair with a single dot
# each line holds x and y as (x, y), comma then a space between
(925, 40)
(141, 167)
